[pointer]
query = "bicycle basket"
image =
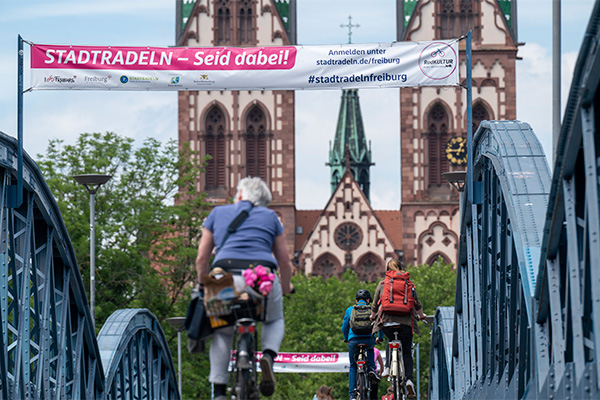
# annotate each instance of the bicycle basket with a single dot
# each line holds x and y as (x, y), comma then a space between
(249, 304)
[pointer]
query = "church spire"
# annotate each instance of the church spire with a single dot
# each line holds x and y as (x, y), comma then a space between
(350, 137)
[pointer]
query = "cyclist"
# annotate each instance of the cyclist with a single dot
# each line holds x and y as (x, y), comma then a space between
(404, 325)
(363, 297)
(258, 240)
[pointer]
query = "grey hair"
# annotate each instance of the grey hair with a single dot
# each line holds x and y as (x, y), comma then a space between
(255, 190)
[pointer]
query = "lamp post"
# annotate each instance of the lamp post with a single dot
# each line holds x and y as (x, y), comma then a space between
(178, 324)
(92, 183)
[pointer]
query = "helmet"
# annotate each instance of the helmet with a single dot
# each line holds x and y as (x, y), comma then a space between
(363, 294)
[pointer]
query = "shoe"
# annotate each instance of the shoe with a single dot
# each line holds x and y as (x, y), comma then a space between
(385, 373)
(373, 376)
(267, 383)
(410, 390)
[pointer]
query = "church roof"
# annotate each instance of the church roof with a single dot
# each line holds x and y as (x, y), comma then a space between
(391, 220)
(349, 131)
(305, 221)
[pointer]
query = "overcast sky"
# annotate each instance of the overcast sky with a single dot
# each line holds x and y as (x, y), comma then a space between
(65, 114)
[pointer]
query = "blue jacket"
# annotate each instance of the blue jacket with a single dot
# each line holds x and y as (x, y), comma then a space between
(348, 334)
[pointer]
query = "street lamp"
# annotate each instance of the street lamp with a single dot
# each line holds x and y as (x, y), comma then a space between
(92, 183)
(178, 324)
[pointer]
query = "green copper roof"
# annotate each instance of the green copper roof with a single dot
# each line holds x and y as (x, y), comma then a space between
(409, 8)
(283, 8)
(350, 133)
(506, 7)
(186, 10)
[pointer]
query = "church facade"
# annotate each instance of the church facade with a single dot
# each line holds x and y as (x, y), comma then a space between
(251, 133)
(245, 133)
(433, 120)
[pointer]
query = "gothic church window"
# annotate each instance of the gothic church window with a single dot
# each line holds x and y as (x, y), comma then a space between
(215, 147)
(327, 266)
(369, 268)
(234, 22)
(480, 113)
(245, 18)
(456, 17)
(256, 143)
(223, 25)
(437, 122)
(348, 236)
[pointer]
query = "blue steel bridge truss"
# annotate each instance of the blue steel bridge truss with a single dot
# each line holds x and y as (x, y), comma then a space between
(48, 347)
(526, 320)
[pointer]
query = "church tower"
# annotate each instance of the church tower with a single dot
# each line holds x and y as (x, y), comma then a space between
(350, 135)
(433, 120)
(245, 133)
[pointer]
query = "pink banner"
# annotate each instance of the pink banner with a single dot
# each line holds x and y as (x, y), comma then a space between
(378, 65)
(306, 362)
(161, 58)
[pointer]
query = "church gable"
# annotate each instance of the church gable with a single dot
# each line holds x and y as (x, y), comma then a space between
(234, 23)
(347, 235)
(490, 21)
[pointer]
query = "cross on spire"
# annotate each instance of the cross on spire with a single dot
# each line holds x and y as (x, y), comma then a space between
(349, 25)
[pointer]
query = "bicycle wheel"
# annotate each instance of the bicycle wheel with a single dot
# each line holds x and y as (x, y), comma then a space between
(395, 386)
(361, 386)
(241, 388)
(399, 392)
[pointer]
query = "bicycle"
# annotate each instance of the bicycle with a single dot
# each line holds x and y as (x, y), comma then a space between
(397, 372)
(363, 384)
(244, 376)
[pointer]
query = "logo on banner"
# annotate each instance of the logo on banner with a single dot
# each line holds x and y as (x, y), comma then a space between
(97, 79)
(137, 79)
(438, 61)
(203, 80)
(59, 79)
(175, 81)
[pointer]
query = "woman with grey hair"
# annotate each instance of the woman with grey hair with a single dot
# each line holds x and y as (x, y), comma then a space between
(258, 240)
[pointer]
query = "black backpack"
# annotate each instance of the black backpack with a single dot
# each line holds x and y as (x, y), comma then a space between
(360, 320)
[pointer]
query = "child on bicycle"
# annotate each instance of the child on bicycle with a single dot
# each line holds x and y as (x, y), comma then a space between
(399, 317)
(357, 329)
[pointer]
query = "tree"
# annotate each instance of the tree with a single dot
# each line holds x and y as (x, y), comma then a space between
(145, 239)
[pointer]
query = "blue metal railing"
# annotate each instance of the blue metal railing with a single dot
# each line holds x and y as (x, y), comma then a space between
(47, 339)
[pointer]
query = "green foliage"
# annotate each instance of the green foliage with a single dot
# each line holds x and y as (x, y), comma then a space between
(148, 218)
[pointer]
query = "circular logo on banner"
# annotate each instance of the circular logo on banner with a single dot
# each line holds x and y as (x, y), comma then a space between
(438, 60)
(124, 79)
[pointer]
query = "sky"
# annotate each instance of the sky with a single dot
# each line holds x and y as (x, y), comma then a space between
(64, 115)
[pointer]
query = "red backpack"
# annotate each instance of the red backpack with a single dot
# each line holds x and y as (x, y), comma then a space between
(398, 295)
